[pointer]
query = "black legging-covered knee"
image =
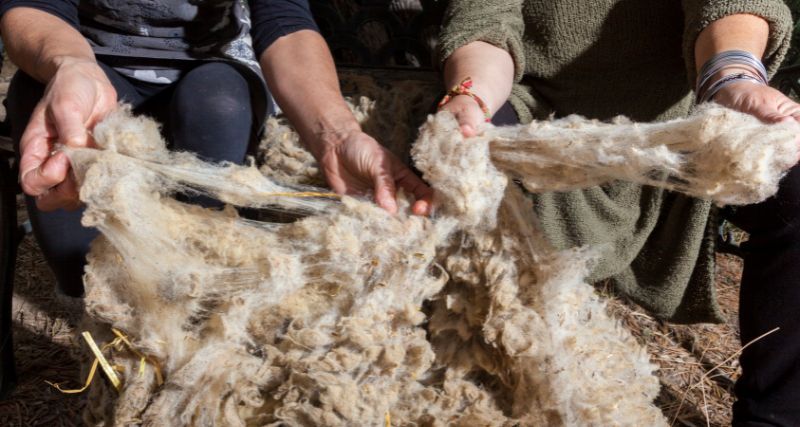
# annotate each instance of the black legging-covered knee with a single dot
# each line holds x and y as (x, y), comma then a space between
(768, 392)
(211, 113)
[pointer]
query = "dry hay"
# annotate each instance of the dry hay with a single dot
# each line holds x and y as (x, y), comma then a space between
(696, 386)
(351, 315)
(43, 328)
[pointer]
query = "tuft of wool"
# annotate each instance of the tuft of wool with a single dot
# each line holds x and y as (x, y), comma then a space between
(716, 153)
(349, 314)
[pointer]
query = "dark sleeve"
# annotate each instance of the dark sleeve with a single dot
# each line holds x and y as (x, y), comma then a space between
(64, 9)
(273, 19)
(497, 22)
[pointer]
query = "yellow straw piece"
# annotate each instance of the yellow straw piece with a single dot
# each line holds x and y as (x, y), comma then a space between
(142, 358)
(121, 337)
(85, 386)
(388, 419)
(92, 371)
(109, 371)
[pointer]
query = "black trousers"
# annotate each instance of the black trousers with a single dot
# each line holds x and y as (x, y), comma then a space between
(768, 392)
(208, 112)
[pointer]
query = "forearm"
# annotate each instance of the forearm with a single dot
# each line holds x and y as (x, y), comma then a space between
(736, 32)
(39, 42)
(491, 70)
(302, 76)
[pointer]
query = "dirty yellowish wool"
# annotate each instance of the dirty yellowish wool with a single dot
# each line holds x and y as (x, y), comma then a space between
(349, 314)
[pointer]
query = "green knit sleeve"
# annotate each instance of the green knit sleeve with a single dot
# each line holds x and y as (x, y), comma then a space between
(699, 13)
(496, 22)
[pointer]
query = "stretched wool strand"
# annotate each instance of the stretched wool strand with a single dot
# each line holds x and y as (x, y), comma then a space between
(716, 153)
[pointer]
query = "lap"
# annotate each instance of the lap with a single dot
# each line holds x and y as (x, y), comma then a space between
(775, 221)
(151, 99)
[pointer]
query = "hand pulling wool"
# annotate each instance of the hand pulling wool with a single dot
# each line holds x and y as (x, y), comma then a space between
(352, 316)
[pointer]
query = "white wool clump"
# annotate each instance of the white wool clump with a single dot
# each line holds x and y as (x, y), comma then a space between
(459, 168)
(351, 316)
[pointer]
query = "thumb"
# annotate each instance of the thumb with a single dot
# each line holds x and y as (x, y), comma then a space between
(70, 126)
(467, 123)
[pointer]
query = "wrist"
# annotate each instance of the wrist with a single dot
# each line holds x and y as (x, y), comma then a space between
(465, 89)
(66, 61)
(55, 64)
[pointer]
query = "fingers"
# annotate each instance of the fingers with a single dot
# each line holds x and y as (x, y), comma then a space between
(360, 163)
(63, 196)
(772, 116)
(413, 184)
(42, 178)
(423, 207)
(50, 121)
(763, 102)
(38, 170)
(385, 190)
(330, 167)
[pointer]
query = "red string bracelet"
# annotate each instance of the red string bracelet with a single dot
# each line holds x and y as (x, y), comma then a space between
(463, 88)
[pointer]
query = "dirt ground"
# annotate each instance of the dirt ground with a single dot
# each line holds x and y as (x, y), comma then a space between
(698, 364)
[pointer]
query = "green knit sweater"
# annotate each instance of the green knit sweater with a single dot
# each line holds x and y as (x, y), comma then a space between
(600, 59)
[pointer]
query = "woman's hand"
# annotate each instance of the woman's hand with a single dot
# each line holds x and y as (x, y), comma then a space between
(76, 98)
(491, 71)
(354, 163)
(749, 33)
(764, 102)
(468, 113)
(301, 74)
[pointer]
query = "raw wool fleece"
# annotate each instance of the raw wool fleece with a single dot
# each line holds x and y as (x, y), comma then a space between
(351, 315)
(282, 157)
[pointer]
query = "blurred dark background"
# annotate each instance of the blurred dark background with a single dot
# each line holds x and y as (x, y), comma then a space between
(380, 33)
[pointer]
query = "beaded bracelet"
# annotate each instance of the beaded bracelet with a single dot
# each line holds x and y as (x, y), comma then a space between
(463, 88)
(729, 59)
